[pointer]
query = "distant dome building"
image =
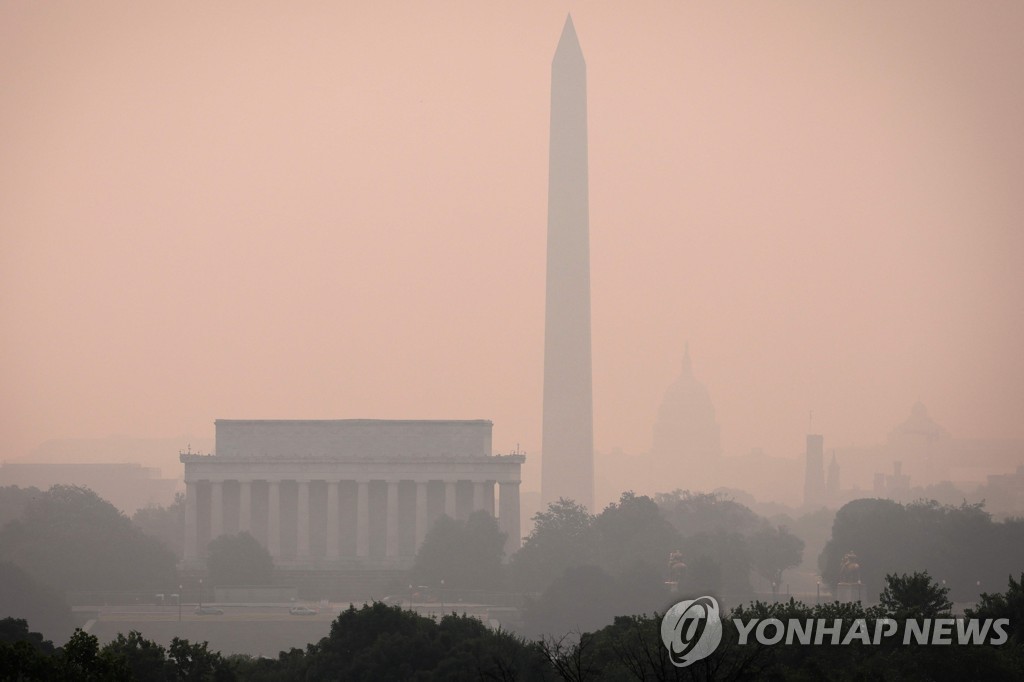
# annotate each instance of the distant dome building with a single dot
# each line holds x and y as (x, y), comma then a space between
(687, 442)
(919, 430)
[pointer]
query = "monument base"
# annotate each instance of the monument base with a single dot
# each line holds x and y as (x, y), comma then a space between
(850, 592)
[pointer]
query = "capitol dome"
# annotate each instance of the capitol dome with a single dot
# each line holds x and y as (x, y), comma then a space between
(686, 433)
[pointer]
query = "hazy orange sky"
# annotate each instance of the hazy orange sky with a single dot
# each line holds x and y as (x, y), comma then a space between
(333, 210)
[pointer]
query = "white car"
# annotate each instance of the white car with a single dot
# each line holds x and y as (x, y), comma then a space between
(302, 611)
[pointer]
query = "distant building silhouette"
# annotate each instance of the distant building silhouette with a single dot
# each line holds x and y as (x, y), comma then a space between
(687, 446)
(895, 485)
(928, 455)
(919, 431)
(127, 486)
(567, 449)
(1006, 491)
(814, 471)
(832, 485)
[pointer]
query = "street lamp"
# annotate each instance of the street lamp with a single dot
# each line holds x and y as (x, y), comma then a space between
(819, 592)
(179, 602)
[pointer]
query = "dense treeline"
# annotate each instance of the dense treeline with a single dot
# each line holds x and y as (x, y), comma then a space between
(71, 539)
(606, 574)
(379, 642)
(25, 655)
(962, 546)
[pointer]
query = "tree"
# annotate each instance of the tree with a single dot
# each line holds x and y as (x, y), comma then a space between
(563, 536)
(239, 560)
(464, 554)
(13, 501)
(716, 534)
(70, 538)
(914, 596)
(584, 598)
(195, 662)
(80, 660)
(962, 545)
(167, 524)
(146, 660)
(693, 513)
(717, 563)
(16, 630)
(773, 549)
(23, 597)
(380, 642)
(633, 531)
(1009, 604)
(24, 655)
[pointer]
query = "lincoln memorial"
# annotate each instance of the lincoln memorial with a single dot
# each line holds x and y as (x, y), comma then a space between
(345, 494)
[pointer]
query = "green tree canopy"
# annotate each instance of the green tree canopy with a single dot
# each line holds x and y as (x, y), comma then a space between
(380, 642)
(585, 598)
(464, 554)
(80, 659)
(71, 539)
(16, 630)
(637, 530)
(145, 659)
(773, 549)
(1009, 604)
(632, 531)
(693, 513)
(195, 662)
(563, 536)
(914, 596)
(962, 546)
(166, 524)
(13, 501)
(719, 543)
(239, 560)
(23, 597)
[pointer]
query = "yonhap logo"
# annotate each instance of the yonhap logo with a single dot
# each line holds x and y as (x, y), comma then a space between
(691, 630)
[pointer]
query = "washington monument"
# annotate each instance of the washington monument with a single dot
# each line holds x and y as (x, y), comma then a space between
(567, 449)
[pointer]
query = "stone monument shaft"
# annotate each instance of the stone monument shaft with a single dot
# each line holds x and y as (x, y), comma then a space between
(567, 462)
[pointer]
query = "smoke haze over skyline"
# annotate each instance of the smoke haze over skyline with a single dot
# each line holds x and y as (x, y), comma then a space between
(310, 212)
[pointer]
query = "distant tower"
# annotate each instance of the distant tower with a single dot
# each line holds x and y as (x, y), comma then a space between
(814, 473)
(832, 481)
(567, 449)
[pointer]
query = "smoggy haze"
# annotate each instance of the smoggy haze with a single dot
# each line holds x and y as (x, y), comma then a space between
(272, 211)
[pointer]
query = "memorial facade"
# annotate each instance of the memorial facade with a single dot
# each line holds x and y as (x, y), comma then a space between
(345, 494)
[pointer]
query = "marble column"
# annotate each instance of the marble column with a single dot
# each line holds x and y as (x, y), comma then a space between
(274, 518)
(421, 513)
(449, 498)
(333, 551)
(216, 509)
(191, 523)
(245, 506)
(363, 519)
(508, 517)
(489, 498)
(391, 547)
(478, 495)
(302, 520)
